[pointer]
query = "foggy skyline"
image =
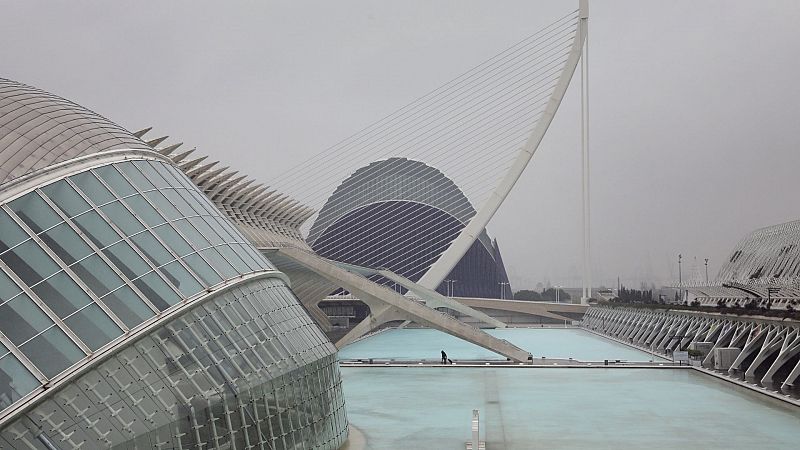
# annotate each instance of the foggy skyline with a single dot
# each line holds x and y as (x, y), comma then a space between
(693, 106)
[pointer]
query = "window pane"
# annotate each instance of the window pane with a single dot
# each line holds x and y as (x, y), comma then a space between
(157, 291)
(20, 319)
(234, 259)
(144, 211)
(224, 230)
(35, 212)
(219, 263)
(122, 218)
(66, 243)
(92, 188)
(8, 288)
(30, 262)
(93, 326)
(187, 196)
(178, 201)
(52, 352)
(163, 205)
(180, 176)
(67, 198)
(10, 233)
(202, 269)
(173, 240)
(15, 380)
(196, 239)
(62, 294)
(97, 275)
(151, 174)
(135, 176)
(181, 278)
(202, 202)
(127, 261)
(97, 229)
(128, 306)
(114, 179)
(152, 249)
(204, 229)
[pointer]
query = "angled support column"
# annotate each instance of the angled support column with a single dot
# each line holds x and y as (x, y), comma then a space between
(754, 340)
(378, 298)
(772, 343)
(436, 300)
(789, 348)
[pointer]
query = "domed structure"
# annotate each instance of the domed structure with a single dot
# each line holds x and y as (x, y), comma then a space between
(133, 313)
(401, 214)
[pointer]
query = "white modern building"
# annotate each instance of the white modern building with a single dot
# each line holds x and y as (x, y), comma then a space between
(133, 313)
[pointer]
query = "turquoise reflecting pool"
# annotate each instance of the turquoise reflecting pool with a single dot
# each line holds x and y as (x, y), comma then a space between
(560, 408)
(423, 343)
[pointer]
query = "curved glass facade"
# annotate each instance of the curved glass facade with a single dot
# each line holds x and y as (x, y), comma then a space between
(245, 370)
(133, 313)
(87, 260)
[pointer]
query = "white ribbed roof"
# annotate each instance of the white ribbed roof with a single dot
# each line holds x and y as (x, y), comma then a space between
(38, 129)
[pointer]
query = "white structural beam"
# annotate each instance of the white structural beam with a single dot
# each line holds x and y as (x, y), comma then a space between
(387, 305)
(447, 261)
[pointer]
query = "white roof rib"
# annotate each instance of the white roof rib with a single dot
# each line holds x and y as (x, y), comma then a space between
(239, 196)
(39, 129)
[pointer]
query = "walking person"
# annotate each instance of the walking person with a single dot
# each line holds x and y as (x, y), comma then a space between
(444, 357)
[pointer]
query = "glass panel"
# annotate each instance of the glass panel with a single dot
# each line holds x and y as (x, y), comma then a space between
(135, 176)
(180, 176)
(128, 306)
(97, 275)
(15, 380)
(219, 263)
(173, 240)
(93, 326)
(98, 230)
(92, 188)
(202, 269)
(10, 233)
(164, 206)
(196, 239)
(66, 243)
(178, 201)
(30, 263)
(122, 218)
(157, 291)
(203, 201)
(8, 288)
(114, 179)
(67, 198)
(20, 319)
(151, 174)
(181, 278)
(207, 232)
(164, 172)
(247, 257)
(152, 249)
(234, 259)
(35, 212)
(223, 229)
(145, 212)
(127, 260)
(191, 201)
(62, 294)
(52, 352)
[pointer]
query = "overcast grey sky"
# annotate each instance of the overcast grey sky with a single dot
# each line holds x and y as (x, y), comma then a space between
(694, 105)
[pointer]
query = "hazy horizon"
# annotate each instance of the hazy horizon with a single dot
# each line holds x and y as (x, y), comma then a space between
(693, 106)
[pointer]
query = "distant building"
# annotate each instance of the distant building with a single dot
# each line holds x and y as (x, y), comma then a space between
(765, 265)
(401, 215)
(133, 314)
